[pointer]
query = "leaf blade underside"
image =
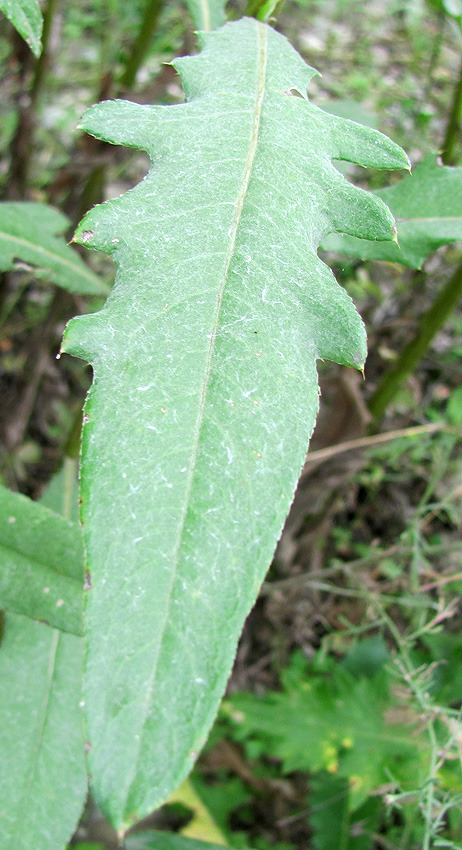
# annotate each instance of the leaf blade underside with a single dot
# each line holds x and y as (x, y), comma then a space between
(205, 387)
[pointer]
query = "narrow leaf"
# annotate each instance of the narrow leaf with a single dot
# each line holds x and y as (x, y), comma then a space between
(43, 779)
(30, 237)
(207, 14)
(205, 388)
(41, 563)
(428, 210)
(26, 17)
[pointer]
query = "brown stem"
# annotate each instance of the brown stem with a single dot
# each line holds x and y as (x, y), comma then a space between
(449, 154)
(22, 143)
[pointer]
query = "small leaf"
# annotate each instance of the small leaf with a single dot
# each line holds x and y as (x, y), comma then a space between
(428, 210)
(205, 388)
(26, 17)
(30, 236)
(207, 14)
(41, 563)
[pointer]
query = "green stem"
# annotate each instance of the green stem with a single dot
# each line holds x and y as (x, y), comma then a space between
(44, 58)
(431, 322)
(453, 128)
(264, 10)
(142, 42)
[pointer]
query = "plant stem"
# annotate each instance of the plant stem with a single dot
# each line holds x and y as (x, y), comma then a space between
(431, 322)
(452, 135)
(22, 143)
(44, 58)
(141, 44)
(264, 10)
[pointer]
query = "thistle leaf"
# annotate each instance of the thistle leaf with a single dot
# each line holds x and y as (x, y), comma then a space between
(205, 387)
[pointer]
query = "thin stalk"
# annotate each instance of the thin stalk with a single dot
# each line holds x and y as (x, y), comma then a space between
(141, 43)
(264, 10)
(431, 322)
(22, 143)
(453, 128)
(41, 67)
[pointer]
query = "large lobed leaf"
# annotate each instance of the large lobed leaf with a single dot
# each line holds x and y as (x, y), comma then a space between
(428, 210)
(205, 388)
(30, 235)
(26, 16)
(41, 563)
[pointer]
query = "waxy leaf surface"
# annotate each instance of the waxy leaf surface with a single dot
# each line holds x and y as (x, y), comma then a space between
(427, 207)
(30, 238)
(205, 388)
(41, 563)
(26, 16)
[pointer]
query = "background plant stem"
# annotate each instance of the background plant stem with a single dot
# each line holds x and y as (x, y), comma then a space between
(142, 42)
(22, 143)
(449, 154)
(431, 322)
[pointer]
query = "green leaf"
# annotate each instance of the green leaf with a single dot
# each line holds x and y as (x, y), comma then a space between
(30, 237)
(26, 17)
(205, 387)
(157, 840)
(43, 779)
(207, 14)
(41, 563)
(428, 211)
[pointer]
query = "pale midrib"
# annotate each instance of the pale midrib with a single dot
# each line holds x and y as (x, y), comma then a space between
(55, 257)
(205, 15)
(208, 365)
(29, 779)
(5, 547)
